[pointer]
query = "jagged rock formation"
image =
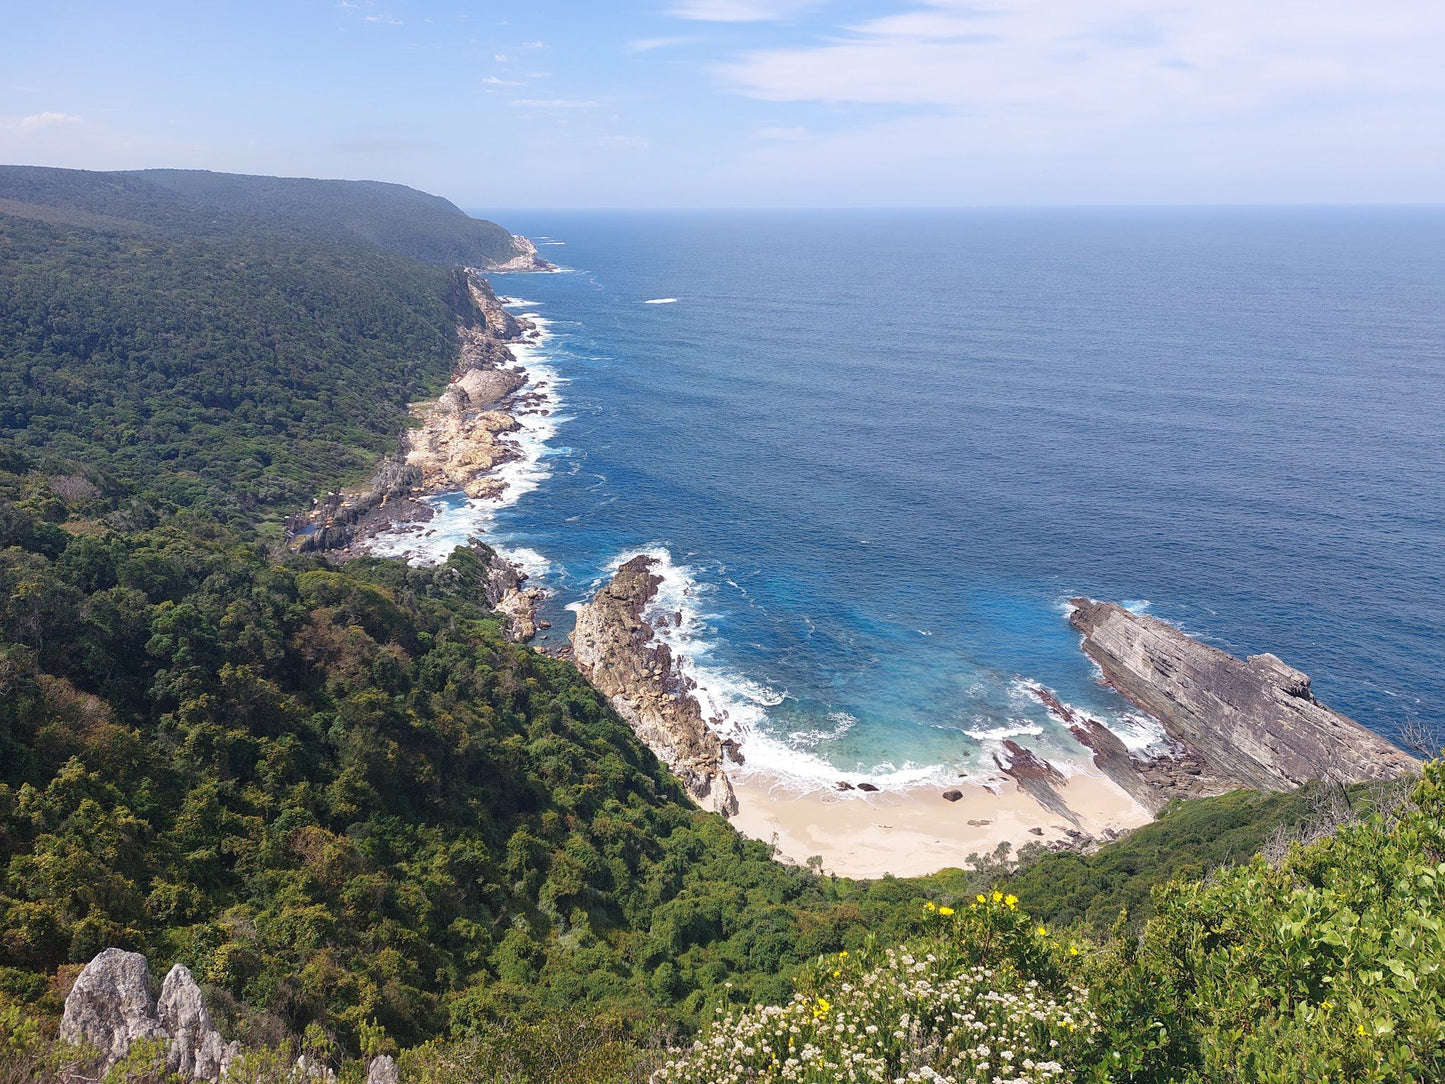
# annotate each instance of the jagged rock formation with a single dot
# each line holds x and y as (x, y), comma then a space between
(196, 1049)
(112, 1006)
(615, 647)
(1237, 723)
(382, 1070)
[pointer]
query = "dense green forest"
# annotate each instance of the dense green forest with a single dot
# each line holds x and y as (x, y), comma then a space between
(236, 378)
(194, 203)
(366, 822)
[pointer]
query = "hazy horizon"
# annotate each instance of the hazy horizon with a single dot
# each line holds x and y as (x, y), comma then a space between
(693, 104)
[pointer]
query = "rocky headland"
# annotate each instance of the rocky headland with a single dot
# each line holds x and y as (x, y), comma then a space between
(1230, 722)
(616, 648)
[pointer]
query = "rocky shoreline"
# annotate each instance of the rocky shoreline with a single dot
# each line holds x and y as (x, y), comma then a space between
(457, 445)
(615, 647)
(1230, 722)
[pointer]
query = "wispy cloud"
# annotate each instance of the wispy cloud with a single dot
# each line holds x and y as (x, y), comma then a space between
(740, 11)
(1114, 99)
(647, 45)
(36, 121)
(554, 103)
(495, 81)
(384, 20)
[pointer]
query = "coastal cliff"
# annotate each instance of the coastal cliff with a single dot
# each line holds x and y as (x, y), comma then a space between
(1231, 722)
(457, 446)
(615, 647)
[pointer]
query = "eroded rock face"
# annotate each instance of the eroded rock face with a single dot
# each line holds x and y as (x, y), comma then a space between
(382, 1071)
(615, 647)
(196, 1049)
(1241, 723)
(111, 1006)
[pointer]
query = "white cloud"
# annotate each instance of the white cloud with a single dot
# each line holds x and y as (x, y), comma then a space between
(647, 45)
(1119, 58)
(739, 11)
(494, 81)
(384, 20)
(554, 103)
(36, 121)
(1115, 100)
(533, 45)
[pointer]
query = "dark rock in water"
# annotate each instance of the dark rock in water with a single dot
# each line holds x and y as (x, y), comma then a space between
(868, 787)
(1238, 723)
(733, 751)
(953, 795)
(843, 784)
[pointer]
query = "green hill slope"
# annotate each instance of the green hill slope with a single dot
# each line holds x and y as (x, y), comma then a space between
(200, 204)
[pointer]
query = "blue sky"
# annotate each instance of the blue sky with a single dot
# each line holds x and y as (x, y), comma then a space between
(711, 103)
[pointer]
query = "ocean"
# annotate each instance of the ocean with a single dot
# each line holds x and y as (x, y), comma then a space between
(877, 452)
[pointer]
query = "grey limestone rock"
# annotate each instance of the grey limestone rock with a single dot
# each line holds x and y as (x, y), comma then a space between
(196, 1050)
(383, 1071)
(111, 1006)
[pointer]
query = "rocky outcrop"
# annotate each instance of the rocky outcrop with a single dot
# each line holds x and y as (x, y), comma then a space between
(112, 1006)
(1037, 778)
(524, 258)
(383, 1071)
(507, 595)
(196, 1049)
(616, 648)
(1236, 723)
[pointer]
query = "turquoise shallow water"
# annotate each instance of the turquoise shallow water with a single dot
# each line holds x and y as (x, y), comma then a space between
(880, 450)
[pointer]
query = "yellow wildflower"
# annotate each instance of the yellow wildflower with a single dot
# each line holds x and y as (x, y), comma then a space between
(843, 955)
(930, 906)
(1042, 932)
(1361, 1029)
(980, 898)
(945, 910)
(1011, 901)
(997, 895)
(1073, 950)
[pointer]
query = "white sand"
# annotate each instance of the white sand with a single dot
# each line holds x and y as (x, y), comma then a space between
(917, 831)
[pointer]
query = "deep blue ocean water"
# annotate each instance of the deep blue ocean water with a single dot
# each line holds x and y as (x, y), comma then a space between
(885, 448)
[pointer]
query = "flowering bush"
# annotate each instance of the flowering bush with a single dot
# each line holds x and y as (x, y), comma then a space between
(980, 1000)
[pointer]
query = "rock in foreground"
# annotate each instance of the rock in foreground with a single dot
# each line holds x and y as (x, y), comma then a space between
(615, 647)
(1247, 723)
(112, 1006)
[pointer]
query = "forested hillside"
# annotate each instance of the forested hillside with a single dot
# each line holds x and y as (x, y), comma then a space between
(235, 377)
(184, 203)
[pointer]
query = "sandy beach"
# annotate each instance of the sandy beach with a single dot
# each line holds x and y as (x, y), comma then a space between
(917, 831)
